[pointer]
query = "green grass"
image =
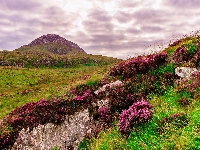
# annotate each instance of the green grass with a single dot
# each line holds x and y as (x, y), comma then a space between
(146, 137)
(42, 83)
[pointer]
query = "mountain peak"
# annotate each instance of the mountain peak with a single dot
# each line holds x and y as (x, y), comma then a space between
(55, 44)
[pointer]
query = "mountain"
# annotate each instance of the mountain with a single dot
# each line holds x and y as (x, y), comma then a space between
(51, 50)
(53, 43)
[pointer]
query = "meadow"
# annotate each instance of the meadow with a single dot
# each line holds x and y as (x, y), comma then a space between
(21, 85)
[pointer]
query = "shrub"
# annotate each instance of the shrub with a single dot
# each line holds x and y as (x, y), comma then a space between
(192, 50)
(128, 69)
(180, 55)
(192, 85)
(184, 101)
(175, 43)
(105, 114)
(138, 113)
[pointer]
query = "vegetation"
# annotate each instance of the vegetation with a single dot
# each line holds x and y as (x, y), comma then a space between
(151, 109)
(21, 85)
(40, 58)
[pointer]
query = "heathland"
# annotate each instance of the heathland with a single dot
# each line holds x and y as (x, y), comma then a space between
(151, 108)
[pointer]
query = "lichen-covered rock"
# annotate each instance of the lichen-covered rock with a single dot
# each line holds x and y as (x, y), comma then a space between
(103, 103)
(185, 72)
(45, 137)
(112, 84)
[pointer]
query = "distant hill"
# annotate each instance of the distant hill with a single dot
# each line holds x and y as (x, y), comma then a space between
(51, 50)
(52, 43)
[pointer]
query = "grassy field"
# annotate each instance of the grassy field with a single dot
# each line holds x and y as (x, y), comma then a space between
(21, 85)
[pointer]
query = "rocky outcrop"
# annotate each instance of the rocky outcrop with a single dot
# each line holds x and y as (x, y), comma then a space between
(64, 136)
(103, 88)
(68, 134)
(185, 72)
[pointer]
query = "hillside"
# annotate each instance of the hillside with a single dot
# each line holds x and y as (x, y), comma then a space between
(51, 51)
(52, 43)
(147, 102)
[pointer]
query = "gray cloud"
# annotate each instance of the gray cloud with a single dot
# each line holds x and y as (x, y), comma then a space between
(19, 5)
(182, 4)
(128, 28)
(123, 17)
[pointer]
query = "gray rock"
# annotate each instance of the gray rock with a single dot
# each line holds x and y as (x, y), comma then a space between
(45, 137)
(185, 72)
(112, 84)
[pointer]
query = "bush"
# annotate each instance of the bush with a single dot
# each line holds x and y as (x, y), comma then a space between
(138, 113)
(105, 114)
(128, 69)
(84, 144)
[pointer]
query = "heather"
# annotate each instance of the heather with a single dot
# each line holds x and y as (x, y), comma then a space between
(149, 106)
(168, 119)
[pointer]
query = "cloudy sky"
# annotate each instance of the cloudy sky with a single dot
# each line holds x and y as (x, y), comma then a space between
(115, 28)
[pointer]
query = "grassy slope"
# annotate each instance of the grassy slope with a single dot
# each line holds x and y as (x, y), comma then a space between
(187, 137)
(147, 137)
(41, 83)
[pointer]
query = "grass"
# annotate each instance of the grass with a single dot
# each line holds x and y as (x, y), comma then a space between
(21, 85)
(145, 137)
(41, 83)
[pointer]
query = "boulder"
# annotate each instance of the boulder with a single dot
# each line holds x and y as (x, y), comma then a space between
(112, 84)
(185, 72)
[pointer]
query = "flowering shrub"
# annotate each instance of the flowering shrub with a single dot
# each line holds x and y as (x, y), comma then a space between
(175, 43)
(85, 96)
(188, 52)
(117, 96)
(105, 114)
(32, 114)
(196, 58)
(180, 55)
(177, 120)
(140, 64)
(184, 101)
(138, 113)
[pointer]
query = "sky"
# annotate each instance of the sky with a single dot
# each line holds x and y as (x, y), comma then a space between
(116, 28)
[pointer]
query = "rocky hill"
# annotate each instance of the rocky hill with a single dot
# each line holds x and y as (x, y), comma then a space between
(51, 50)
(55, 44)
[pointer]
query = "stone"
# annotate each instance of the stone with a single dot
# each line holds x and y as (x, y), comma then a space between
(185, 72)
(103, 103)
(112, 84)
(45, 137)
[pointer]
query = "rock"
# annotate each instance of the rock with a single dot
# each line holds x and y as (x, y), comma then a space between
(116, 83)
(46, 137)
(103, 103)
(185, 72)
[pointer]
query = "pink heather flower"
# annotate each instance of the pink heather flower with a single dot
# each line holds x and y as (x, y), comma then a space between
(42, 103)
(105, 113)
(137, 113)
